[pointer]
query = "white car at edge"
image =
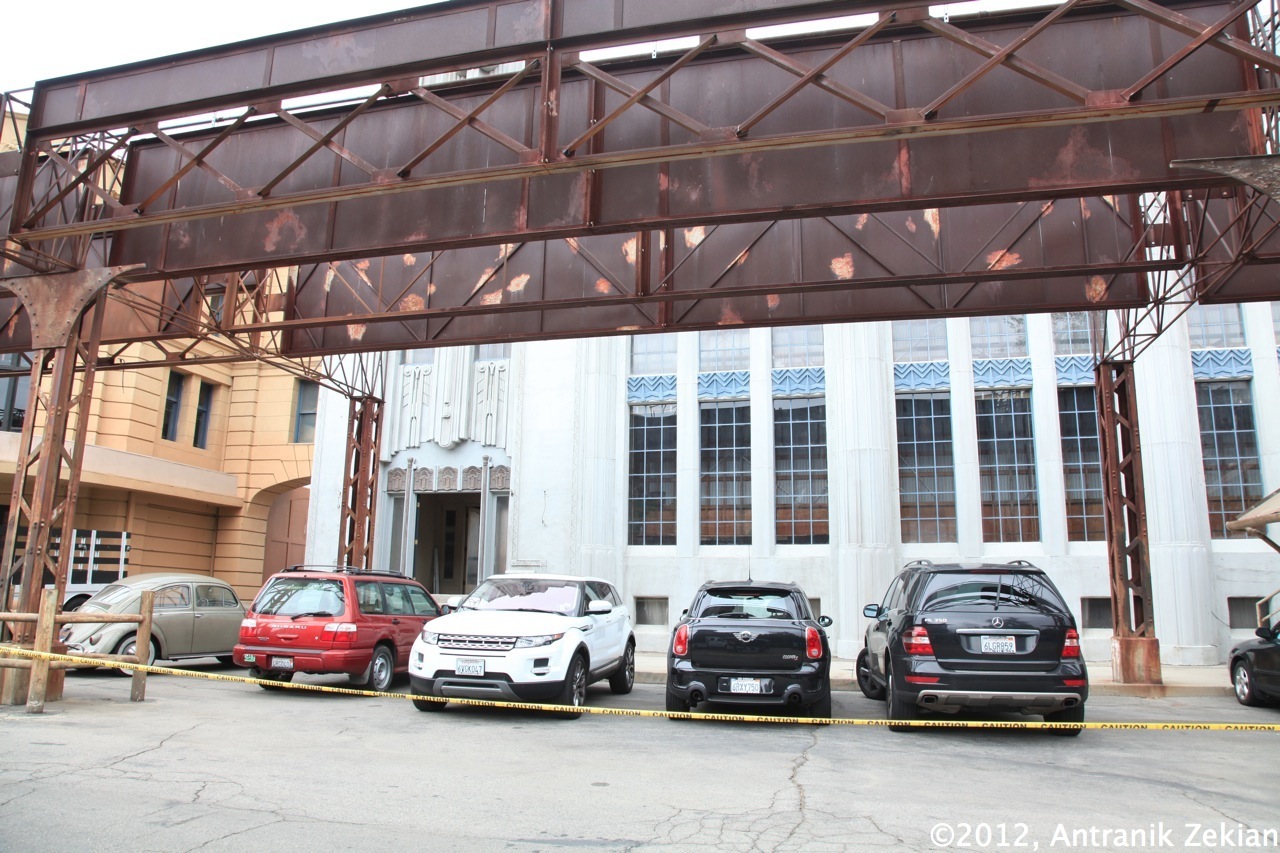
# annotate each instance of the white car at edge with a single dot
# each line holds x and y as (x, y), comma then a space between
(526, 638)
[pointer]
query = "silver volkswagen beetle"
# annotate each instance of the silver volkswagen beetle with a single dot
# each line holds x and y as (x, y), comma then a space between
(195, 616)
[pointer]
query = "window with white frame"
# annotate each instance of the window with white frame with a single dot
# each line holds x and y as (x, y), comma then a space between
(1007, 466)
(724, 349)
(493, 352)
(172, 406)
(920, 340)
(651, 486)
(1275, 320)
(1229, 443)
(653, 354)
(926, 468)
(422, 355)
(725, 493)
(306, 400)
(1215, 326)
(999, 337)
(797, 347)
(800, 471)
(15, 389)
(1073, 332)
(1081, 463)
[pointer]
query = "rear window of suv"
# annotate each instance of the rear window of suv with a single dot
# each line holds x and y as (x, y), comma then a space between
(747, 603)
(967, 590)
(292, 596)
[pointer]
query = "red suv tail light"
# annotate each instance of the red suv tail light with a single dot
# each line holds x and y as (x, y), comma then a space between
(1071, 644)
(342, 633)
(812, 643)
(247, 627)
(916, 642)
(680, 645)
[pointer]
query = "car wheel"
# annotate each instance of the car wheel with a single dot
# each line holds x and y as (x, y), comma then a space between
(278, 677)
(870, 688)
(226, 660)
(74, 602)
(1066, 715)
(426, 704)
(625, 678)
(1242, 682)
(676, 705)
(382, 669)
(822, 708)
(897, 706)
(129, 646)
(575, 688)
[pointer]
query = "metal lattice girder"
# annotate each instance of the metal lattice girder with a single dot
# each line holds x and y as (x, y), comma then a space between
(360, 481)
(738, 127)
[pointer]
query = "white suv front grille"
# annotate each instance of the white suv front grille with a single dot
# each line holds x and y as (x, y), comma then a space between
(476, 643)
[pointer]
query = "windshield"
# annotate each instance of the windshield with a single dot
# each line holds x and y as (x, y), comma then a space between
(747, 604)
(113, 598)
(995, 590)
(539, 595)
(293, 596)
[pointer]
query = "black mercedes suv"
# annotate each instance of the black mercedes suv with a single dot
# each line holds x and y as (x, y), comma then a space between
(974, 635)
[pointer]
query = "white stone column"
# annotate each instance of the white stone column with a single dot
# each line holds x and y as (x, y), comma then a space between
(763, 511)
(964, 440)
(688, 466)
(601, 392)
(1177, 509)
(1048, 434)
(862, 447)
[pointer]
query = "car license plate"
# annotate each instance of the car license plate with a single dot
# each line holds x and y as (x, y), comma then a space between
(998, 645)
(468, 666)
(744, 685)
(281, 663)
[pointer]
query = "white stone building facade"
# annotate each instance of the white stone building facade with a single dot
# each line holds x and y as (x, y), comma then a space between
(828, 456)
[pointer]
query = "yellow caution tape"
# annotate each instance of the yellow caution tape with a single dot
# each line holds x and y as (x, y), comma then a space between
(675, 715)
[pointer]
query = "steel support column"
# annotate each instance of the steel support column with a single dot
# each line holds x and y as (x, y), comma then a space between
(360, 480)
(66, 313)
(1135, 650)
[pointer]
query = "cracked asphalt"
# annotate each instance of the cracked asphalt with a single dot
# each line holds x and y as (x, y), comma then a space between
(215, 766)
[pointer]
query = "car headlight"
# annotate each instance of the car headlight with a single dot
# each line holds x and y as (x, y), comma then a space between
(534, 642)
(429, 637)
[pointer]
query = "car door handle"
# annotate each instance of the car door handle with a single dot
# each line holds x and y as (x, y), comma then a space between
(395, 621)
(199, 616)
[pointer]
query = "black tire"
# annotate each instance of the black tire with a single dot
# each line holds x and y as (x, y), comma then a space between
(127, 647)
(624, 679)
(382, 669)
(870, 688)
(897, 706)
(1066, 715)
(427, 705)
(1242, 682)
(574, 693)
(270, 675)
(676, 705)
(73, 603)
(822, 708)
(226, 660)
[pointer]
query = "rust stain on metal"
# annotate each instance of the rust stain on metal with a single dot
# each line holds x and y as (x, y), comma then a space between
(934, 220)
(356, 331)
(410, 260)
(861, 221)
(742, 258)
(494, 298)
(1079, 162)
(1046, 209)
(484, 277)
(574, 246)
(773, 300)
(506, 250)
(362, 270)
(431, 288)
(911, 225)
(603, 286)
(285, 220)
(412, 302)
(729, 317)
(1003, 259)
(329, 275)
(518, 283)
(694, 236)
(1096, 289)
(629, 251)
(842, 267)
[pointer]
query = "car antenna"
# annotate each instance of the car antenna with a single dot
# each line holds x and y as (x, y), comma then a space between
(749, 578)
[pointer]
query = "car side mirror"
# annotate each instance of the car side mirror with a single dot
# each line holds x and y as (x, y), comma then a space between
(594, 608)
(824, 621)
(871, 611)
(446, 609)
(1264, 632)
(453, 602)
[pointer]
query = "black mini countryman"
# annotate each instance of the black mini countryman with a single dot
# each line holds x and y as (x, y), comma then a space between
(989, 635)
(750, 643)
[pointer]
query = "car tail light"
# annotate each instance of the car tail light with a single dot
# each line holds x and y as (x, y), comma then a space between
(680, 645)
(341, 632)
(812, 643)
(1074, 682)
(916, 642)
(247, 627)
(923, 679)
(1071, 644)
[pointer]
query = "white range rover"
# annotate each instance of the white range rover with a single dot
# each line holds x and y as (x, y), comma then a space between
(526, 638)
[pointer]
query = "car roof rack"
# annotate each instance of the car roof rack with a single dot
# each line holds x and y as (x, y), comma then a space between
(344, 570)
(926, 563)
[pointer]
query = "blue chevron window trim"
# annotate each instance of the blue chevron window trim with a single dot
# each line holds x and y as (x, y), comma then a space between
(799, 382)
(1222, 363)
(651, 389)
(1001, 373)
(1075, 370)
(724, 385)
(922, 376)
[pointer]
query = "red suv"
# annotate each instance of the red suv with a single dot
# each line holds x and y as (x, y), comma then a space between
(334, 620)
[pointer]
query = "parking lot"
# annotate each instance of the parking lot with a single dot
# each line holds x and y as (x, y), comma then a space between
(212, 765)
